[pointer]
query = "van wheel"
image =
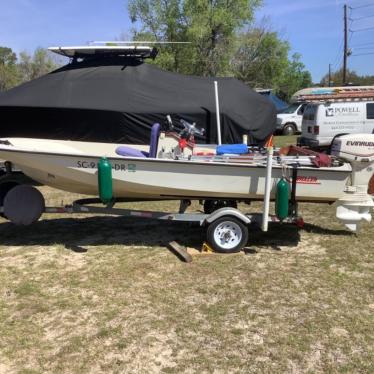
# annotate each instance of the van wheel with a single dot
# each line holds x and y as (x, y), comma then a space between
(289, 129)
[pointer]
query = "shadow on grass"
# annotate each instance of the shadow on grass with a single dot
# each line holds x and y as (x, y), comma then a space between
(288, 235)
(314, 229)
(76, 233)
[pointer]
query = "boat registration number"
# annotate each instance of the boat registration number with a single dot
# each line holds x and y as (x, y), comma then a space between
(116, 167)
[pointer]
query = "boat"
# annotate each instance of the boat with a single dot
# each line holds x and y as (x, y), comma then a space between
(334, 94)
(108, 93)
(72, 166)
(174, 169)
(174, 172)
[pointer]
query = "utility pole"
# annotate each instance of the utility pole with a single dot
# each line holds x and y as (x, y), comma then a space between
(329, 75)
(345, 46)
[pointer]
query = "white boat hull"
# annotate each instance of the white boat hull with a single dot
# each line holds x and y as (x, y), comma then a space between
(72, 166)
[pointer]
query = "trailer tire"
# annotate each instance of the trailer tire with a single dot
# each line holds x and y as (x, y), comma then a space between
(5, 187)
(23, 205)
(227, 235)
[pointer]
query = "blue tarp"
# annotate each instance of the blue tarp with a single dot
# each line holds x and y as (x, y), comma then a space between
(279, 104)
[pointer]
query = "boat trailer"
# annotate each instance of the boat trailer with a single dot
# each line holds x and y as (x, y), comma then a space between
(226, 227)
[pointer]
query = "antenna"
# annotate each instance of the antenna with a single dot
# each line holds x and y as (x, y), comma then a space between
(131, 42)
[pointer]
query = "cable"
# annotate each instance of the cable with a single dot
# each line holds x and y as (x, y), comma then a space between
(363, 48)
(361, 44)
(360, 18)
(338, 55)
(363, 54)
(367, 28)
(362, 6)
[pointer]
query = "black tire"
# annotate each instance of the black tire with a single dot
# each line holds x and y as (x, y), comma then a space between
(232, 232)
(289, 129)
(212, 205)
(24, 205)
(5, 187)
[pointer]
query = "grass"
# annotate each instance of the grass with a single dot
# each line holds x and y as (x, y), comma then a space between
(282, 141)
(98, 294)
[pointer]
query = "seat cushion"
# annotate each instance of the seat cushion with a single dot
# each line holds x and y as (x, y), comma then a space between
(236, 149)
(123, 150)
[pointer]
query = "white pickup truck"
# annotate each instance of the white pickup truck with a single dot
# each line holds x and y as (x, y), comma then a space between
(289, 120)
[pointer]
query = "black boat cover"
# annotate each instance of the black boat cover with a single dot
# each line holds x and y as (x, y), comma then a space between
(117, 100)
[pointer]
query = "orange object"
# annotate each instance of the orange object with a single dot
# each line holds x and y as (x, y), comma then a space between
(269, 142)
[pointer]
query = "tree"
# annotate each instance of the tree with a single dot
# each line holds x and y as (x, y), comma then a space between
(40, 63)
(261, 58)
(210, 25)
(262, 61)
(352, 77)
(8, 69)
(294, 78)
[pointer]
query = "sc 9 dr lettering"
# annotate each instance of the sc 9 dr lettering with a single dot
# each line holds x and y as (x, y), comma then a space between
(86, 164)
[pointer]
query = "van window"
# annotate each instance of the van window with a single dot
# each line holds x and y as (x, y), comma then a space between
(301, 110)
(370, 111)
(290, 109)
(309, 113)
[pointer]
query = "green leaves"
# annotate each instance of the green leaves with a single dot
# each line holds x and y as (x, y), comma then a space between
(8, 70)
(223, 43)
(14, 72)
(352, 77)
(262, 61)
(210, 25)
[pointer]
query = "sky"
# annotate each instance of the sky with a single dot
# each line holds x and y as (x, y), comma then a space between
(314, 28)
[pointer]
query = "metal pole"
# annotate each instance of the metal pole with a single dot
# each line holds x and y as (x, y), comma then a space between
(269, 165)
(218, 114)
(329, 75)
(345, 46)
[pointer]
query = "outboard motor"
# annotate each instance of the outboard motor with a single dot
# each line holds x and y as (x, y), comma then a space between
(355, 205)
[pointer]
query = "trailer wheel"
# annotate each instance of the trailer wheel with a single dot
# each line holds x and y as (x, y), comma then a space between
(23, 205)
(5, 187)
(227, 235)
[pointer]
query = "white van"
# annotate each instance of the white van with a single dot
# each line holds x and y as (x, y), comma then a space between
(322, 122)
(289, 119)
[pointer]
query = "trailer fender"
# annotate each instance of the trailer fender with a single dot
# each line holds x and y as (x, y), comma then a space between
(225, 212)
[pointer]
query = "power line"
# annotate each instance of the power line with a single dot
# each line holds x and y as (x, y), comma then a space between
(361, 44)
(363, 48)
(338, 55)
(362, 6)
(360, 18)
(367, 28)
(363, 54)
